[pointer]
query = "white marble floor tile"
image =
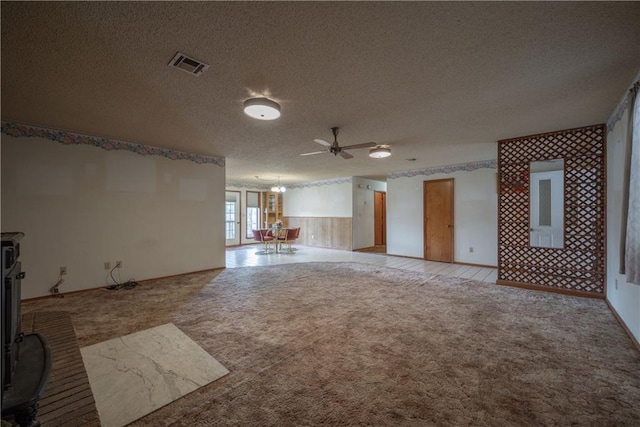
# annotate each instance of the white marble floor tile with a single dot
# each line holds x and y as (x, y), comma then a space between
(482, 274)
(469, 273)
(136, 374)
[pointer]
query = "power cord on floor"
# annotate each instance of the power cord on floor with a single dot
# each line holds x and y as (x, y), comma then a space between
(117, 285)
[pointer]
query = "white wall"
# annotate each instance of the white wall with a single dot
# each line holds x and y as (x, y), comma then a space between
(80, 206)
(363, 211)
(624, 297)
(475, 216)
(324, 200)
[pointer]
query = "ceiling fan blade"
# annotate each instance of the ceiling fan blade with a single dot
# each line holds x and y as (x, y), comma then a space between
(322, 142)
(345, 155)
(363, 145)
(314, 152)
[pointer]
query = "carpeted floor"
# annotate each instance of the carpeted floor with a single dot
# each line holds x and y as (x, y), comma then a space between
(352, 344)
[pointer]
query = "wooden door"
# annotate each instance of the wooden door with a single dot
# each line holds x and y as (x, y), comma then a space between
(380, 218)
(438, 220)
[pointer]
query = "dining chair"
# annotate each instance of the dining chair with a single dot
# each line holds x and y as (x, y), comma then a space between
(262, 235)
(289, 237)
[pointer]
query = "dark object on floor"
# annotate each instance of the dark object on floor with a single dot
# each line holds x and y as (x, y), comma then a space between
(68, 400)
(26, 359)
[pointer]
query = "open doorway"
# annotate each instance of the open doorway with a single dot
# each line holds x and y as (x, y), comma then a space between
(380, 219)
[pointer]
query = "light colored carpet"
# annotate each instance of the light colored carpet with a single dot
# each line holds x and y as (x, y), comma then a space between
(136, 374)
(351, 344)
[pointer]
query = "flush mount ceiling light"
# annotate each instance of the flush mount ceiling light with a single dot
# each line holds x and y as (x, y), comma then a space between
(380, 152)
(262, 108)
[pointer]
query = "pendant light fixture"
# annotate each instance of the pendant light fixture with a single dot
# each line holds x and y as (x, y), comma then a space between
(262, 108)
(278, 188)
(380, 152)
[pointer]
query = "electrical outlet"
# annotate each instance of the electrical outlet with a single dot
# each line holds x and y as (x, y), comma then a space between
(118, 264)
(471, 249)
(63, 270)
(107, 265)
(616, 283)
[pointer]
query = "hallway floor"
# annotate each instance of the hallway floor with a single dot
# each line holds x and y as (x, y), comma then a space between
(246, 256)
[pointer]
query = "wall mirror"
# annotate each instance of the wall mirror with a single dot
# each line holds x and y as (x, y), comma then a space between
(546, 203)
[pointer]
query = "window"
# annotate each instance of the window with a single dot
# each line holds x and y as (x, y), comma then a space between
(253, 213)
(230, 220)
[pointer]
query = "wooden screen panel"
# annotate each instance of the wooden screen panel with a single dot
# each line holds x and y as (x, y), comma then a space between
(579, 267)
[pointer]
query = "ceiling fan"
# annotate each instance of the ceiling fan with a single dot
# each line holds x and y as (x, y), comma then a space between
(335, 148)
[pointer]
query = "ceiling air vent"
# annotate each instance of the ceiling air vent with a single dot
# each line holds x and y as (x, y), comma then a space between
(188, 64)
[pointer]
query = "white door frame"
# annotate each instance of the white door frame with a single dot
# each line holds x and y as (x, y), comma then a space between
(548, 236)
(232, 226)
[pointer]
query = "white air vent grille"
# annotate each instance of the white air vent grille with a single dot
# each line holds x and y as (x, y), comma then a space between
(188, 64)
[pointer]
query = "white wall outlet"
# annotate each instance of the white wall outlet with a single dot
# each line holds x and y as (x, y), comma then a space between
(107, 265)
(63, 270)
(616, 283)
(118, 264)
(471, 249)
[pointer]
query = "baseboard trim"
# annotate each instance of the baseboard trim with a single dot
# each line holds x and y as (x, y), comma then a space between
(622, 323)
(549, 289)
(476, 265)
(62, 294)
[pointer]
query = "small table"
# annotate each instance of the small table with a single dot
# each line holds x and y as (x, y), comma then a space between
(277, 233)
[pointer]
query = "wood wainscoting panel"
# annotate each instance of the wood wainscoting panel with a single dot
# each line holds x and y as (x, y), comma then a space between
(327, 232)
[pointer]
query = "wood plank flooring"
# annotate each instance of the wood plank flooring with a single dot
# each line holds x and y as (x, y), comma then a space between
(67, 400)
(246, 256)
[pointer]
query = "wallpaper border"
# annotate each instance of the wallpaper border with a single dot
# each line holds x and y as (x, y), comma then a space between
(469, 166)
(266, 187)
(19, 130)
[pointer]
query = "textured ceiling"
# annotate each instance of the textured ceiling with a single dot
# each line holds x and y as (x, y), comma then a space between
(440, 82)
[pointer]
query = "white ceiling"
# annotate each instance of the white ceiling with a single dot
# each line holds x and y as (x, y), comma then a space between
(440, 82)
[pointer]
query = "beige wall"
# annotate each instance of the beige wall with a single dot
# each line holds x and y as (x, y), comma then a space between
(80, 206)
(624, 297)
(475, 216)
(322, 200)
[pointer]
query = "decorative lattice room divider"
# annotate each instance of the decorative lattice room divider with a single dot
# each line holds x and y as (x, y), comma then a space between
(579, 267)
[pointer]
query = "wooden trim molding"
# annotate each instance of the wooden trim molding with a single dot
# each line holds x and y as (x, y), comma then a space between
(623, 324)
(544, 288)
(62, 294)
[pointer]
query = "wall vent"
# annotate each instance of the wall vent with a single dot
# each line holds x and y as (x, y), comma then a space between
(188, 64)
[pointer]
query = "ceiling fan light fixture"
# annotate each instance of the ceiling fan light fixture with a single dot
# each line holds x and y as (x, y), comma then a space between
(380, 152)
(262, 108)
